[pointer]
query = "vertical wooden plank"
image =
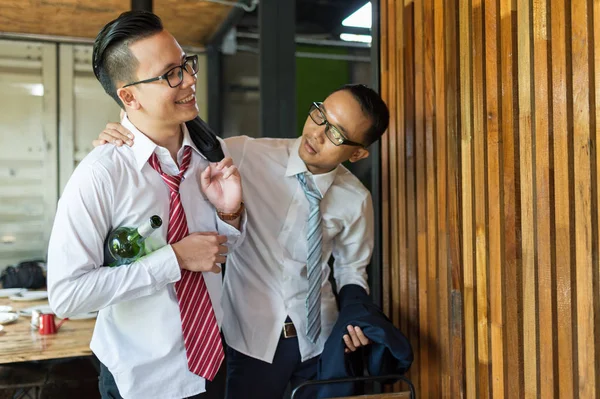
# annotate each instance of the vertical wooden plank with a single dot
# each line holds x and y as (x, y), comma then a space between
(441, 179)
(526, 144)
(457, 321)
(513, 326)
(480, 200)
(563, 237)
(402, 203)
(595, 122)
(411, 193)
(595, 40)
(430, 166)
(543, 215)
(421, 189)
(393, 133)
(495, 206)
(466, 134)
(385, 165)
(586, 344)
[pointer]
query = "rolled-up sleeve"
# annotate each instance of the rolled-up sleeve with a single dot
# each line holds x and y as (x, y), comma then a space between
(353, 247)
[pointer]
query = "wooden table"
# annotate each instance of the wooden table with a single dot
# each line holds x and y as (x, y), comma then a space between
(20, 343)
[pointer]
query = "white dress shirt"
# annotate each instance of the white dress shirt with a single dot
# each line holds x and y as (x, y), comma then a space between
(138, 332)
(265, 277)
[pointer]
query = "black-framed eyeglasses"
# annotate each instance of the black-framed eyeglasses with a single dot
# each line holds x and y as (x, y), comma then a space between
(333, 133)
(174, 76)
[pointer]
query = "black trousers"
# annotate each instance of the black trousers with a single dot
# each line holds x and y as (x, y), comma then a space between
(108, 387)
(250, 378)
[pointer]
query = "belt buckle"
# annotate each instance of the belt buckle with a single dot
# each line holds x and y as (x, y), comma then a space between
(289, 331)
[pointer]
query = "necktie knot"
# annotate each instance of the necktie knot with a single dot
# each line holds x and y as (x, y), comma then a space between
(312, 194)
(173, 181)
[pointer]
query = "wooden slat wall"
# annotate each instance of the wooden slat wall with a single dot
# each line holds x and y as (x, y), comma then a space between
(490, 194)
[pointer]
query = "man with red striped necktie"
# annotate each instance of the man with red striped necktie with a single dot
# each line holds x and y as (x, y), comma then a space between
(157, 334)
(273, 324)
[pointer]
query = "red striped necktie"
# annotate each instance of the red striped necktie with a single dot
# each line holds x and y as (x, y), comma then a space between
(201, 336)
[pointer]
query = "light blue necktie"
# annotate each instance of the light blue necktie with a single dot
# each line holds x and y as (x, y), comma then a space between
(314, 237)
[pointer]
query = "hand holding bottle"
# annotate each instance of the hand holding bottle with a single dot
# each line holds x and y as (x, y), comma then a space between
(200, 252)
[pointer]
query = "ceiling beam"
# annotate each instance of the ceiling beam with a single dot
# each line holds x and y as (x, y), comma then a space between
(141, 5)
(234, 17)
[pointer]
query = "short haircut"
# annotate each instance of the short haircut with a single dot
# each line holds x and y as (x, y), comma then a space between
(374, 108)
(111, 58)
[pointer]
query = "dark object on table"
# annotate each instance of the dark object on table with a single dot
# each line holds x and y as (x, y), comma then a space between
(27, 274)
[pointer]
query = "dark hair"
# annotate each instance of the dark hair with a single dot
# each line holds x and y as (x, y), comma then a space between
(111, 58)
(374, 107)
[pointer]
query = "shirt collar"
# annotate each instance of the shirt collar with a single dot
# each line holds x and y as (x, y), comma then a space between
(143, 146)
(296, 165)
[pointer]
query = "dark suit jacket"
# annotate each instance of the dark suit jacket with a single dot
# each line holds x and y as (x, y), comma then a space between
(389, 353)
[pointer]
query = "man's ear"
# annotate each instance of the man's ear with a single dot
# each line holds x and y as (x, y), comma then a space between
(358, 154)
(128, 98)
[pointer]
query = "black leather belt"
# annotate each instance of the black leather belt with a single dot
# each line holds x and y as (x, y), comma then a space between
(289, 330)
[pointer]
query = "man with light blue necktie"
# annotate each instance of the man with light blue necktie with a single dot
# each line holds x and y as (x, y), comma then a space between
(303, 207)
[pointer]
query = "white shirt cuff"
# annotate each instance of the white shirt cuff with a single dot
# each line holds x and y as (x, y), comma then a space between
(162, 265)
(231, 232)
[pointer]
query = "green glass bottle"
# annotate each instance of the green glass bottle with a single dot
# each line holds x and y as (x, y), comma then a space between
(126, 244)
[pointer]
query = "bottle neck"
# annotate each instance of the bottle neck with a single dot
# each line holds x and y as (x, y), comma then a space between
(145, 229)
